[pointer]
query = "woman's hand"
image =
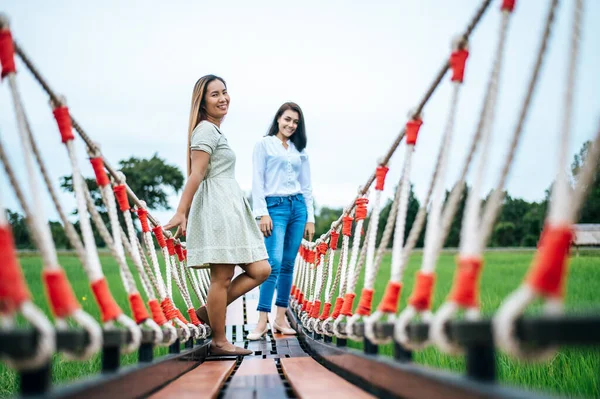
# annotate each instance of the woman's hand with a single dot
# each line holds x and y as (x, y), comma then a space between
(309, 231)
(179, 221)
(266, 225)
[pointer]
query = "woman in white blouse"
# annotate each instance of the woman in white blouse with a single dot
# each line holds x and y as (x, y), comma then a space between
(283, 204)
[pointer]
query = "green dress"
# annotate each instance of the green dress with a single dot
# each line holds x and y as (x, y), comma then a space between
(221, 227)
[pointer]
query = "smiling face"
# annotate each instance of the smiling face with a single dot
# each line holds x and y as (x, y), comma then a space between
(216, 100)
(288, 123)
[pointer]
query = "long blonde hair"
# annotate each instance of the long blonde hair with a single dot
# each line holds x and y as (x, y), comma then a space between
(197, 112)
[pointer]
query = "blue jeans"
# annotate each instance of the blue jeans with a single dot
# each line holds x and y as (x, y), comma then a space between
(289, 219)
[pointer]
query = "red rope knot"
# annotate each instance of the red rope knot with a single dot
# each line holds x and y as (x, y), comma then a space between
(421, 296)
(347, 226)
(121, 194)
(179, 252)
(389, 302)
(333, 242)
(458, 60)
(7, 53)
(380, 174)
(300, 297)
(293, 291)
(63, 120)
(101, 177)
(326, 311)
(302, 252)
(316, 308)
(193, 317)
(185, 253)
(348, 304)
(158, 233)
(140, 314)
(549, 267)
(305, 305)
(13, 289)
(339, 302)
(157, 313)
(361, 208)
(364, 305)
(60, 293)
(171, 246)
(321, 250)
(465, 288)
(106, 302)
(508, 5)
(310, 256)
(412, 131)
(168, 309)
(143, 216)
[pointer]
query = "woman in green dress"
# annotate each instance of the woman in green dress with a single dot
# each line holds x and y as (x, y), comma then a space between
(214, 214)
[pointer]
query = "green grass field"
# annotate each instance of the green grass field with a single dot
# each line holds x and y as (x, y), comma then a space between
(572, 372)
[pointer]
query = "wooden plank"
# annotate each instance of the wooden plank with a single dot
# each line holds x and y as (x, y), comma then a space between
(204, 381)
(311, 380)
(256, 367)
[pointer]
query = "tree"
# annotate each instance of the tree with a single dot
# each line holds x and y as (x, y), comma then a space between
(590, 212)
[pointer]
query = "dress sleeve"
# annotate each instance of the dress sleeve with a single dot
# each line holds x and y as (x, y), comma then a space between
(205, 138)
(306, 187)
(259, 204)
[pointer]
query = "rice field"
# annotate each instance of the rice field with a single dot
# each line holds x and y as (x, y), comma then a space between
(572, 372)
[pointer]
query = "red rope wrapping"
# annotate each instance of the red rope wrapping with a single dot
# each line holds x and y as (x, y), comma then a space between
(321, 250)
(380, 174)
(179, 252)
(60, 293)
(310, 256)
(300, 297)
(316, 308)
(508, 5)
(333, 242)
(309, 307)
(193, 317)
(106, 302)
(138, 310)
(63, 120)
(101, 176)
(412, 131)
(180, 316)
(364, 305)
(549, 267)
(305, 304)
(13, 289)
(421, 296)
(293, 291)
(158, 233)
(326, 311)
(389, 302)
(361, 208)
(347, 226)
(185, 253)
(339, 302)
(168, 309)
(465, 289)
(157, 313)
(7, 53)
(143, 216)
(121, 194)
(348, 304)
(171, 246)
(458, 61)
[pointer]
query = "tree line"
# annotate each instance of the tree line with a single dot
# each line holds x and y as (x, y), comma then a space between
(519, 224)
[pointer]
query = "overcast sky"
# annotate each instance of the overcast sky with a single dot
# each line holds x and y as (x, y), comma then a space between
(355, 67)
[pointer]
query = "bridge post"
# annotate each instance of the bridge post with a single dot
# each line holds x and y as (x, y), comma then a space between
(111, 358)
(175, 347)
(189, 343)
(401, 354)
(369, 347)
(146, 352)
(481, 362)
(327, 339)
(35, 382)
(341, 342)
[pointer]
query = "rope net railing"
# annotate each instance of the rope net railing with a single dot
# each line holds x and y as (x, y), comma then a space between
(548, 273)
(165, 324)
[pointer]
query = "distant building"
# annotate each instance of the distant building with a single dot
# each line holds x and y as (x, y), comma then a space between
(587, 235)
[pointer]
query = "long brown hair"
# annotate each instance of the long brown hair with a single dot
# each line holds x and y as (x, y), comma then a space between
(299, 136)
(198, 112)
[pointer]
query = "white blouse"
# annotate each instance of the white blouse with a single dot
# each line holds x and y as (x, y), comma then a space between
(279, 172)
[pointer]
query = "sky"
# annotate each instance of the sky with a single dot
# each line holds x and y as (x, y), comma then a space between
(356, 68)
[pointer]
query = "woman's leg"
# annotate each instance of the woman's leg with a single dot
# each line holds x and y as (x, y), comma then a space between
(255, 274)
(293, 238)
(220, 279)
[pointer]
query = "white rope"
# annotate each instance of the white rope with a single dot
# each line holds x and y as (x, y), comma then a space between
(397, 265)
(160, 284)
(469, 244)
(563, 211)
(370, 271)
